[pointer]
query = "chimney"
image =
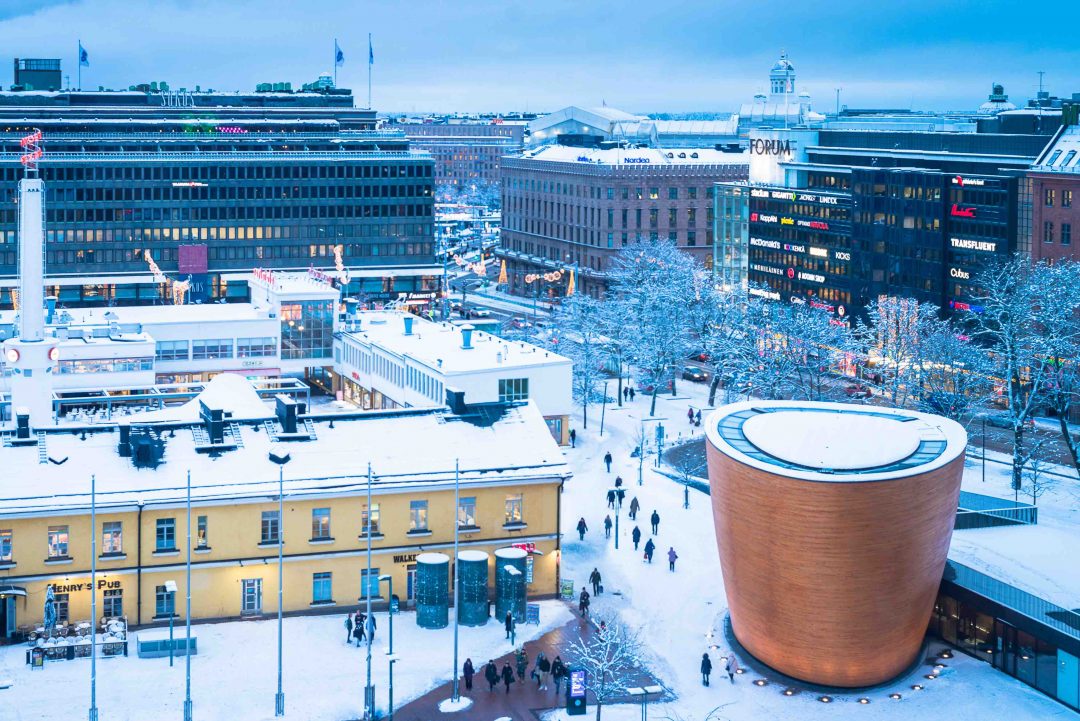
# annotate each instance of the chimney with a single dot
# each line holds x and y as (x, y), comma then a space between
(124, 447)
(408, 323)
(466, 336)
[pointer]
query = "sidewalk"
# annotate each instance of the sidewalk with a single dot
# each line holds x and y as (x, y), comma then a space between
(524, 702)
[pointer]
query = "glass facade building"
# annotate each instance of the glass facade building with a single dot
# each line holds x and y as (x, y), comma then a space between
(208, 194)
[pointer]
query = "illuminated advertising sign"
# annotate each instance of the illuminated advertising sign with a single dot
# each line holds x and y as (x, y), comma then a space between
(636, 160)
(794, 248)
(959, 274)
(577, 683)
(188, 184)
(822, 306)
(812, 277)
(959, 211)
(758, 193)
(765, 269)
(819, 252)
(763, 218)
(813, 224)
(787, 221)
(761, 146)
(960, 180)
(985, 246)
(767, 294)
(841, 255)
(762, 243)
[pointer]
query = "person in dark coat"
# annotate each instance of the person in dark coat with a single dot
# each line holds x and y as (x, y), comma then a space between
(491, 675)
(626, 393)
(611, 498)
(594, 579)
(690, 414)
(573, 438)
(636, 536)
(697, 421)
(632, 393)
(655, 520)
(371, 627)
(358, 630)
(507, 675)
(543, 668)
(706, 668)
(509, 623)
(581, 528)
(607, 461)
(649, 548)
(583, 603)
(620, 496)
(634, 508)
(348, 628)
(558, 670)
(521, 660)
(467, 672)
(618, 481)
(671, 558)
(607, 526)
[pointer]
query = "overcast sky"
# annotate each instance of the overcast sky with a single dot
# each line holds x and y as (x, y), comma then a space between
(638, 55)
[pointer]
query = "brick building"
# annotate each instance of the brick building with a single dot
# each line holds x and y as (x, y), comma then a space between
(465, 154)
(1055, 192)
(569, 207)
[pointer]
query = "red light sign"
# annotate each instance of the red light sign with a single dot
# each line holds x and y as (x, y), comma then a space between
(961, 212)
(790, 272)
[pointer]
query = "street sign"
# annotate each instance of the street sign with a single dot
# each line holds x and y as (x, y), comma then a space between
(532, 613)
(566, 590)
(575, 693)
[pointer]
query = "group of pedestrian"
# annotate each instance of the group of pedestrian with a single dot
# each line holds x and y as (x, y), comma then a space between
(628, 393)
(731, 667)
(694, 418)
(359, 627)
(542, 670)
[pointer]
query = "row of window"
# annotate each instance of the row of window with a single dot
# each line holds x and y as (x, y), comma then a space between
(112, 532)
(233, 192)
(1066, 233)
(1050, 194)
(228, 171)
(260, 211)
(598, 193)
(230, 232)
(105, 365)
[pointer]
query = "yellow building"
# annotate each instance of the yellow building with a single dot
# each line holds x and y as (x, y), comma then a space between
(511, 473)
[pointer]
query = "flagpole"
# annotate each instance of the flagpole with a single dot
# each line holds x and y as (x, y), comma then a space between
(335, 62)
(78, 61)
(369, 64)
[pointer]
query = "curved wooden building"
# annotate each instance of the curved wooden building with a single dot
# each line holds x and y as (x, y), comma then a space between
(833, 524)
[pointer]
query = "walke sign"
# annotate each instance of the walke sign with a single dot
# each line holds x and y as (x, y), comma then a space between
(761, 146)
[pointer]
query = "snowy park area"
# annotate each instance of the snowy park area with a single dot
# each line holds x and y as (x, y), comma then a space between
(234, 675)
(681, 615)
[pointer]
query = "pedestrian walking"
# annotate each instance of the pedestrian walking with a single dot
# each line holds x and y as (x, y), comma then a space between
(611, 498)
(690, 414)
(632, 393)
(636, 536)
(649, 548)
(573, 438)
(706, 668)
(507, 675)
(467, 672)
(583, 603)
(697, 421)
(521, 660)
(509, 623)
(607, 461)
(655, 520)
(731, 667)
(558, 671)
(634, 508)
(671, 558)
(491, 675)
(626, 393)
(594, 579)
(581, 528)
(618, 481)
(544, 667)
(348, 628)
(358, 630)
(607, 526)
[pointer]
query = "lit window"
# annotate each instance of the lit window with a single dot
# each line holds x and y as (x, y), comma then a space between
(112, 537)
(320, 524)
(202, 538)
(369, 522)
(514, 510)
(5, 546)
(58, 541)
(467, 512)
(418, 515)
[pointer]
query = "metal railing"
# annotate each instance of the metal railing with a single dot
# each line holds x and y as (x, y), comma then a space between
(1027, 604)
(143, 157)
(979, 511)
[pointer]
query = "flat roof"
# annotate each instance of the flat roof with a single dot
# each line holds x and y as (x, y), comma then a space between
(503, 444)
(638, 156)
(834, 442)
(438, 345)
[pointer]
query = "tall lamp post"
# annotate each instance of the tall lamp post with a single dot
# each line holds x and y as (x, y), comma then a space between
(187, 613)
(279, 457)
(390, 653)
(619, 493)
(369, 690)
(455, 694)
(93, 599)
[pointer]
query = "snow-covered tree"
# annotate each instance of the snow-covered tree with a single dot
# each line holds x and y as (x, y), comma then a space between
(579, 338)
(891, 337)
(721, 317)
(1036, 480)
(612, 659)
(1014, 294)
(617, 339)
(952, 373)
(1059, 319)
(651, 287)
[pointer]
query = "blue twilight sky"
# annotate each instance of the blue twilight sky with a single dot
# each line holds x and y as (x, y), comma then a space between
(638, 55)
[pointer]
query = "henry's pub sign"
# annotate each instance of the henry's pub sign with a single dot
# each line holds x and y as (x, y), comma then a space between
(83, 586)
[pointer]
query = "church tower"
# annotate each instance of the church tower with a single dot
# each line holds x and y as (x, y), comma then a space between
(782, 81)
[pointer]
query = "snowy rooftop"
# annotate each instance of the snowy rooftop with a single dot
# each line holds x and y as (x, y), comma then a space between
(160, 314)
(514, 445)
(834, 442)
(439, 345)
(638, 156)
(1062, 155)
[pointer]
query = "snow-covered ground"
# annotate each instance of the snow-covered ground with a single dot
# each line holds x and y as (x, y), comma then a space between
(676, 611)
(234, 675)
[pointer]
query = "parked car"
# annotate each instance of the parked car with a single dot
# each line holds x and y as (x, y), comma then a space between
(858, 390)
(481, 313)
(695, 374)
(1002, 420)
(700, 356)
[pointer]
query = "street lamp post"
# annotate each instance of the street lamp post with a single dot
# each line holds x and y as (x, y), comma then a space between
(393, 659)
(369, 690)
(618, 507)
(455, 694)
(170, 588)
(390, 610)
(187, 613)
(93, 599)
(280, 458)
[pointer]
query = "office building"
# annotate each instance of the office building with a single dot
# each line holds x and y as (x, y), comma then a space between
(37, 74)
(205, 187)
(574, 208)
(1055, 195)
(466, 154)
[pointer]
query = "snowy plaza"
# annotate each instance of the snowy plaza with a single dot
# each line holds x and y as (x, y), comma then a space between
(679, 615)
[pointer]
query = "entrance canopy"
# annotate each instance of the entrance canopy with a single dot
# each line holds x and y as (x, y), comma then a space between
(6, 590)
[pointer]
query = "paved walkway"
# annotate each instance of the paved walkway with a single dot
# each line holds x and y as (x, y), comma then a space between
(524, 702)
